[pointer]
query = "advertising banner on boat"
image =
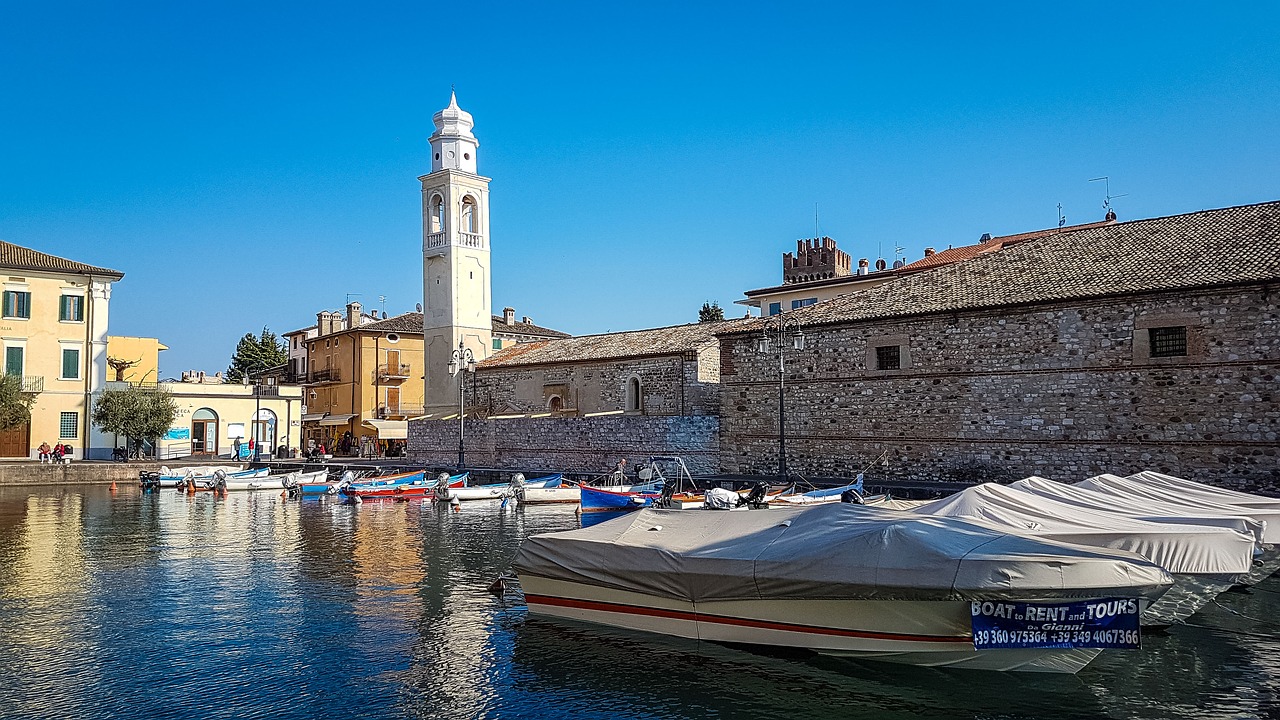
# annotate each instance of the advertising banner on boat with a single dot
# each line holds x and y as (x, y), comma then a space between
(1107, 623)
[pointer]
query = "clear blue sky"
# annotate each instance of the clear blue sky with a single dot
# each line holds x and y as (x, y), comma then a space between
(248, 164)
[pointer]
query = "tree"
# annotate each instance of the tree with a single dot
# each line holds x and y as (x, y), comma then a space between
(137, 413)
(710, 312)
(15, 405)
(253, 355)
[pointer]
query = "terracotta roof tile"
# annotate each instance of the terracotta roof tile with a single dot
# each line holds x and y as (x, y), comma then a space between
(969, 252)
(610, 346)
(523, 328)
(21, 258)
(1202, 249)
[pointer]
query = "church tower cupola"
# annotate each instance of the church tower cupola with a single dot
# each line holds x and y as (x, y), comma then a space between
(453, 147)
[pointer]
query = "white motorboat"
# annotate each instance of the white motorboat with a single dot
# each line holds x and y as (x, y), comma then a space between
(1140, 493)
(1204, 561)
(844, 579)
(261, 480)
(546, 490)
(494, 491)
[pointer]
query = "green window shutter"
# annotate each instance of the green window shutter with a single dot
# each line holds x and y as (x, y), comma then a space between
(70, 363)
(9, 298)
(13, 361)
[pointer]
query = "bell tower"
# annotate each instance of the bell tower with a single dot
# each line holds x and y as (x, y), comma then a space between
(456, 293)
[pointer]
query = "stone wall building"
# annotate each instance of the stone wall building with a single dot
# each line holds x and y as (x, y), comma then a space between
(1152, 344)
(583, 403)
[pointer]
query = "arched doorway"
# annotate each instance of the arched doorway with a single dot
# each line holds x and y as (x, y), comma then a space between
(204, 432)
(264, 431)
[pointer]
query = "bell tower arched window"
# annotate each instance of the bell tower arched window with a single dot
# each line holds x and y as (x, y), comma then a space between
(469, 215)
(437, 214)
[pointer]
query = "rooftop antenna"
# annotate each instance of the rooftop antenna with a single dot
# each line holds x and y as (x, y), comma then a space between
(1062, 219)
(817, 233)
(382, 300)
(351, 295)
(1106, 203)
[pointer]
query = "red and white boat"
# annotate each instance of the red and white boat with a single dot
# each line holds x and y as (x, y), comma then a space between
(840, 579)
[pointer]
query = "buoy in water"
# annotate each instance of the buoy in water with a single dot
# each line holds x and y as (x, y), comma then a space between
(113, 486)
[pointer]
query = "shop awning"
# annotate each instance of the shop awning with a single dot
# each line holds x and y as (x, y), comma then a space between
(390, 429)
(337, 419)
(312, 417)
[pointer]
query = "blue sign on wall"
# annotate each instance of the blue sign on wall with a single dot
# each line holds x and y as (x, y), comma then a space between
(1106, 623)
(178, 434)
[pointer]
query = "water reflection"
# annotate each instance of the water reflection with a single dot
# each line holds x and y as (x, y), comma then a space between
(167, 605)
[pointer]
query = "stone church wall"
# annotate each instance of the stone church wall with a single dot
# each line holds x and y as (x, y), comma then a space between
(568, 444)
(1063, 391)
(670, 384)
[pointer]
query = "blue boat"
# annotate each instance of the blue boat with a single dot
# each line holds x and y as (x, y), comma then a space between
(596, 499)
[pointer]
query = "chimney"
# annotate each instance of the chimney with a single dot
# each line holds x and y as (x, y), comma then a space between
(526, 320)
(864, 266)
(928, 252)
(322, 320)
(509, 315)
(353, 314)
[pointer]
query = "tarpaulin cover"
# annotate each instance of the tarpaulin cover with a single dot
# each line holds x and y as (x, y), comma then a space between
(1138, 492)
(1186, 549)
(1151, 510)
(835, 551)
(1195, 490)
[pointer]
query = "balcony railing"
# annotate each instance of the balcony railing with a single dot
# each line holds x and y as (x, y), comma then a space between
(471, 240)
(394, 370)
(326, 375)
(32, 383)
(266, 390)
(400, 410)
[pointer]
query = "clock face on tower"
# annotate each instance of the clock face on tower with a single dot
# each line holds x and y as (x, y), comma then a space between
(450, 154)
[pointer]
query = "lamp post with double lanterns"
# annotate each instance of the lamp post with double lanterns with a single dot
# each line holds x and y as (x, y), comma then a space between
(780, 331)
(461, 360)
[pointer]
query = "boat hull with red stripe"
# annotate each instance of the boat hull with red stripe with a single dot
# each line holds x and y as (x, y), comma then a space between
(928, 633)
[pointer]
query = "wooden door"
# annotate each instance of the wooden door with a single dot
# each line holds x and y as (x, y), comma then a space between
(16, 442)
(393, 401)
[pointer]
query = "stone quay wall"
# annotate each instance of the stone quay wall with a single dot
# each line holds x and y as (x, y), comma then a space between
(568, 444)
(1064, 391)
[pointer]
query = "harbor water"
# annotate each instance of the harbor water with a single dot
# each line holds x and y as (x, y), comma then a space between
(124, 605)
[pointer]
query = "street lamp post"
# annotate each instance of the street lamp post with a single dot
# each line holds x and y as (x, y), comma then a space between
(778, 332)
(461, 360)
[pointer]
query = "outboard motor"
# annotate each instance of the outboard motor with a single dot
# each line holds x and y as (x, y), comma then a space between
(220, 481)
(664, 499)
(149, 480)
(756, 498)
(851, 496)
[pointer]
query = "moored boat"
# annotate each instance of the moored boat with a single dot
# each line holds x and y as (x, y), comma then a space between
(844, 579)
(402, 488)
(549, 489)
(1203, 561)
(598, 499)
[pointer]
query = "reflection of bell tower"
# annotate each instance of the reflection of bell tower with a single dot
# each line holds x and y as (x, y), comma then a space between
(455, 254)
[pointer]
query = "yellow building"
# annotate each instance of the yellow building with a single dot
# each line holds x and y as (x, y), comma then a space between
(133, 359)
(54, 331)
(212, 416)
(365, 380)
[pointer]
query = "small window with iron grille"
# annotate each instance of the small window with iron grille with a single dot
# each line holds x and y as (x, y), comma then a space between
(68, 426)
(1168, 341)
(889, 357)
